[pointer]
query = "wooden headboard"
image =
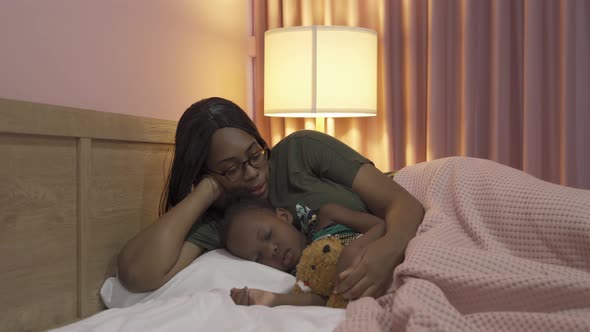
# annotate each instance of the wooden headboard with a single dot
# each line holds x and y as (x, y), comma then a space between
(75, 186)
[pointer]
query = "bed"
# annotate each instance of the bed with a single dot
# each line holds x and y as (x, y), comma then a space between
(497, 250)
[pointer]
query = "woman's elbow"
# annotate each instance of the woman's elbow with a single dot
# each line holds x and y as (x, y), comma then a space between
(134, 280)
(409, 202)
(125, 274)
(418, 207)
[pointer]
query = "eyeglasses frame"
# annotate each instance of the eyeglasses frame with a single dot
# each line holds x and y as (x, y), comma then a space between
(242, 165)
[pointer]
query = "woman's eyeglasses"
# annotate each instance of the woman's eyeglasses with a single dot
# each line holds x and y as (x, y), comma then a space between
(236, 172)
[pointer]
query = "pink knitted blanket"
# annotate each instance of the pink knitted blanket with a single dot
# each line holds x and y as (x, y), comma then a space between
(498, 250)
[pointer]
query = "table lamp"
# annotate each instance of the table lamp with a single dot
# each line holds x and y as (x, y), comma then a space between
(319, 72)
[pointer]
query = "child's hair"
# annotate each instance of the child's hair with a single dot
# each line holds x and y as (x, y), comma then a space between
(240, 206)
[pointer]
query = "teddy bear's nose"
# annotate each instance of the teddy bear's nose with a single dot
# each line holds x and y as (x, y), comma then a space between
(313, 267)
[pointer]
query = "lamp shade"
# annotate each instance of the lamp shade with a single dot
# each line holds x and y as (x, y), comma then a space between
(320, 71)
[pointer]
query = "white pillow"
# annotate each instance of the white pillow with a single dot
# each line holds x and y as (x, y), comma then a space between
(215, 269)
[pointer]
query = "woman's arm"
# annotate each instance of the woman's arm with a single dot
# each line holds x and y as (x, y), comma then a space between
(158, 252)
(402, 212)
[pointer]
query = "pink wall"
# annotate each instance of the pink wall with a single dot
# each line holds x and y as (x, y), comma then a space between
(141, 57)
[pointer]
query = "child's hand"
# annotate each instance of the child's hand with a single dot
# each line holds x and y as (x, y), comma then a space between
(252, 296)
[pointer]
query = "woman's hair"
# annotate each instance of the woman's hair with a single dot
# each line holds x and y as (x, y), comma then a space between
(193, 138)
(237, 208)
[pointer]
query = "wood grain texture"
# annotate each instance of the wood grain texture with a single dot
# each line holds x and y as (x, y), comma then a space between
(83, 222)
(40, 119)
(125, 187)
(76, 185)
(37, 232)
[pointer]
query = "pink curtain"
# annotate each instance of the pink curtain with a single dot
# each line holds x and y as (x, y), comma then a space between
(506, 80)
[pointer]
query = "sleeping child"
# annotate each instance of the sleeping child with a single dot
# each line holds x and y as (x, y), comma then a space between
(256, 231)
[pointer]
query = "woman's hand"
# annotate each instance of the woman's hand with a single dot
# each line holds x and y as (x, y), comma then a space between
(217, 192)
(351, 255)
(252, 296)
(402, 212)
(367, 271)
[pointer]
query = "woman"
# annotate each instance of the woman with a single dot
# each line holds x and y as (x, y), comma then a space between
(219, 155)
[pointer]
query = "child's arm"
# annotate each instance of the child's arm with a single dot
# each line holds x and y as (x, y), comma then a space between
(303, 299)
(337, 214)
(373, 227)
(252, 296)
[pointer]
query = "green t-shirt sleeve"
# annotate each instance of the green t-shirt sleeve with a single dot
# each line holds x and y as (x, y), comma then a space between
(205, 232)
(329, 158)
(311, 168)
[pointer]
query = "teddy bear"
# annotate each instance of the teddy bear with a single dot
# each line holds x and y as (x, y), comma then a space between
(316, 269)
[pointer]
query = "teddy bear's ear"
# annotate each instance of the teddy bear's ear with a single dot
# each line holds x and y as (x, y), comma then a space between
(326, 248)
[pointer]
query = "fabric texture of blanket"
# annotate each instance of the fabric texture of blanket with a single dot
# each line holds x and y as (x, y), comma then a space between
(498, 250)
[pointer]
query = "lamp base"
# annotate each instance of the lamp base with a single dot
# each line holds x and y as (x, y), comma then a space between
(320, 124)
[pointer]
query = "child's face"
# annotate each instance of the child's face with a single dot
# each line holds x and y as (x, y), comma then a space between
(265, 237)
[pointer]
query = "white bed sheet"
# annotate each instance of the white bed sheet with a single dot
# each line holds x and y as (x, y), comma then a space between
(213, 270)
(208, 311)
(197, 299)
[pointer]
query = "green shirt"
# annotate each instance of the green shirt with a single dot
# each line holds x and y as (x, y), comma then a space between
(306, 167)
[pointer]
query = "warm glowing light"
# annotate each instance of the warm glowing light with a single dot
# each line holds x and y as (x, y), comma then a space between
(320, 71)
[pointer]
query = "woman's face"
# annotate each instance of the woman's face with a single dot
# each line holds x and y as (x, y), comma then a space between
(231, 148)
